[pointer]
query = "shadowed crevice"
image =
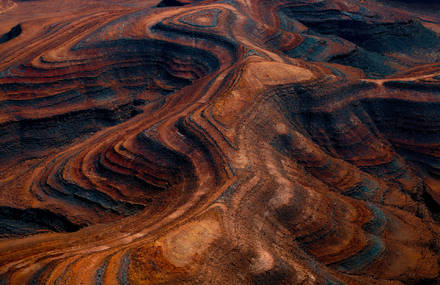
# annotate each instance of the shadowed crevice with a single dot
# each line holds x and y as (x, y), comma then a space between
(170, 3)
(12, 34)
(29, 221)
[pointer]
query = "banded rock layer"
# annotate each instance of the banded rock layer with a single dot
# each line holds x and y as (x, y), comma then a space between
(219, 142)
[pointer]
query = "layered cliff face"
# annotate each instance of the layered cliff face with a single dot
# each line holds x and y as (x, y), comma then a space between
(219, 142)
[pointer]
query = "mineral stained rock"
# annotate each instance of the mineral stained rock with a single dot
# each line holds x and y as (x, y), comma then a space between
(219, 142)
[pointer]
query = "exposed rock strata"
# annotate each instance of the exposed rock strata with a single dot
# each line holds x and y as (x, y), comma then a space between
(219, 142)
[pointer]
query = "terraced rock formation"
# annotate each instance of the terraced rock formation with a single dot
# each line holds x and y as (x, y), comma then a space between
(219, 142)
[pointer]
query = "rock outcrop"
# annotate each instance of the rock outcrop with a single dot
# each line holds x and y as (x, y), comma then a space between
(219, 142)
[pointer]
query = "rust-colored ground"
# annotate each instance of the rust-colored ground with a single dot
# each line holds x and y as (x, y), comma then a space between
(219, 142)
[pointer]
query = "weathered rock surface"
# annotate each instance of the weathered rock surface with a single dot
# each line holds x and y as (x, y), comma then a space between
(219, 142)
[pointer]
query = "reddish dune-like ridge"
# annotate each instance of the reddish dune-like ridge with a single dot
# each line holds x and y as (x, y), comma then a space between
(219, 142)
